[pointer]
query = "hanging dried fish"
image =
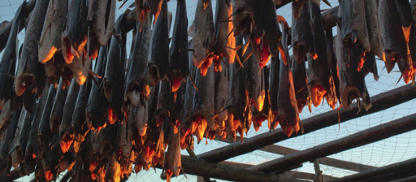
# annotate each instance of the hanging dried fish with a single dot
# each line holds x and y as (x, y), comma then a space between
(58, 107)
(300, 82)
(173, 165)
(5, 116)
(224, 44)
(321, 83)
(351, 81)
(178, 62)
(204, 101)
(44, 132)
(114, 74)
(260, 116)
(30, 70)
(17, 151)
(221, 95)
(102, 16)
(79, 126)
(203, 36)
(261, 15)
(65, 138)
(286, 98)
(159, 64)
(274, 92)
(6, 142)
(392, 31)
(75, 37)
(50, 40)
(8, 61)
(373, 28)
(97, 105)
(332, 59)
(137, 86)
(255, 94)
(302, 39)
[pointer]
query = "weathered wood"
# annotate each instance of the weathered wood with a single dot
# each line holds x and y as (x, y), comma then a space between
(277, 149)
(329, 18)
(7, 25)
(227, 172)
(361, 138)
(392, 168)
(318, 172)
(380, 102)
(192, 154)
(392, 176)
(303, 175)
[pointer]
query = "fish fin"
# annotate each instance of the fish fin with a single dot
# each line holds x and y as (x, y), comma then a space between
(243, 52)
(248, 56)
(124, 2)
(239, 61)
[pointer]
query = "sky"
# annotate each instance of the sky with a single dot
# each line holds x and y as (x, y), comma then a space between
(384, 152)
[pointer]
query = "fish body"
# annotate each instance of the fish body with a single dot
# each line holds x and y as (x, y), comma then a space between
(66, 138)
(75, 37)
(178, 62)
(301, 33)
(114, 74)
(203, 36)
(159, 64)
(58, 107)
(51, 38)
(224, 34)
(30, 70)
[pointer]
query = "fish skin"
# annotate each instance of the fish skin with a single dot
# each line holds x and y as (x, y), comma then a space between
(297, 8)
(256, 98)
(137, 86)
(332, 60)
(178, 61)
(44, 131)
(30, 71)
(373, 28)
(51, 37)
(262, 14)
(318, 72)
(351, 82)
(205, 98)
(58, 107)
(395, 47)
(66, 138)
(114, 75)
(203, 36)
(8, 60)
(156, 6)
(159, 64)
(33, 141)
(300, 82)
(186, 121)
(370, 66)
(274, 92)
(18, 149)
(286, 98)
(74, 38)
(97, 104)
(142, 10)
(224, 34)
(301, 34)
(221, 93)
(79, 126)
(354, 23)
(80, 68)
(260, 116)
(173, 164)
(140, 118)
(102, 16)
(6, 141)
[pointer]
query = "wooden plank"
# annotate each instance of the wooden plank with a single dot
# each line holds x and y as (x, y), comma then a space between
(303, 175)
(202, 167)
(380, 102)
(408, 179)
(358, 139)
(392, 168)
(277, 149)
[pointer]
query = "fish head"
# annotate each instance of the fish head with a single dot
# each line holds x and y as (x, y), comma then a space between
(317, 93)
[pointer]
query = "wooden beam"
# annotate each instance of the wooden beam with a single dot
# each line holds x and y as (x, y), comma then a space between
(7, 25)
(277, 149)
(192, 154)
(358, 139)
(380, 102)
(202, 167)
(318, 172)
(303, 175)
(392, 176)
(329, 18)
(392, 168)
